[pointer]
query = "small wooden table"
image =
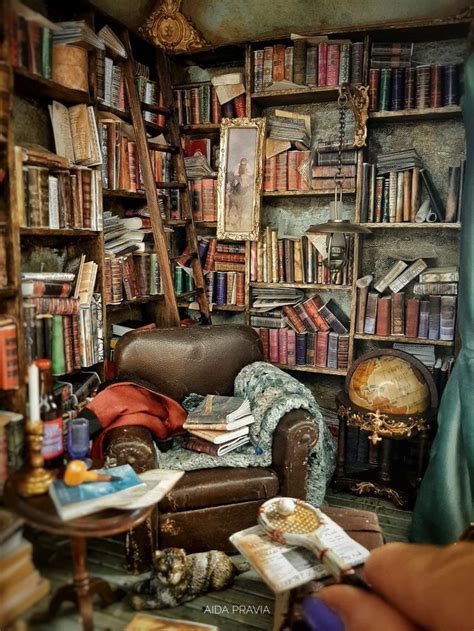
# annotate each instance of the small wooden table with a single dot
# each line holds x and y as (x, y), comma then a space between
(40, 513)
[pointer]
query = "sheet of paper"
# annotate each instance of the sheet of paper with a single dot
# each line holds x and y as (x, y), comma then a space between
(61, 125)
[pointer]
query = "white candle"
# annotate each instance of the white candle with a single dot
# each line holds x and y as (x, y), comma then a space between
(33, 392)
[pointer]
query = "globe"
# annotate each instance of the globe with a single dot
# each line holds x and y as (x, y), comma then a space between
(389, 384)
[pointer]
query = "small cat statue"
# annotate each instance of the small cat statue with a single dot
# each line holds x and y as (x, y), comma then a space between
(177, 577)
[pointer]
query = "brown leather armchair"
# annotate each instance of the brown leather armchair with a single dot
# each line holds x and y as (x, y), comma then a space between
(208, 505)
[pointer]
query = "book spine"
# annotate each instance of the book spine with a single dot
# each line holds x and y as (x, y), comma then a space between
(384, 89)
(434, 317)
(283, 346)
(58, 366)
(9, 357)
(267, 66)
(436, 81)
(423, 319)
(423, 77)
(447, 317)
(291, 342)
(384, 316)
(386, 201)
(221, 288)
(392, 199)
(301, 340)
(289, 53)
(344, 63)
(278, 70)
(264, 335)
(398, 313)
(454, 174)
(282, 171)
(299, 61)
(450, 84)
(311, 66)
(322, 64)
(409, 91)
(371, 313)
(274, 353)
(357, 61)
(332, 349)
(408, 275)
(333, 55)
(374, 79)
(294, 319)
(412, 317)
(258, 70)
(322, 349)
(343, 352)
(396, 89)
(270, 176)
(379, 191)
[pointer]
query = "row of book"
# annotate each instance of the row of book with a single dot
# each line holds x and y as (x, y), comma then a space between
(321, 350)
(225, 288)
(392, 191)
(284, 171)
(131, 277)
(8, 353)
(204, 199)
(327, 155)
(61, 199)
(124, 235)
(199, 105)
(428, 313)
(219, 256)
(120, 163)
(63, 317)
(328, 63)
(3, 261)
(292, 260)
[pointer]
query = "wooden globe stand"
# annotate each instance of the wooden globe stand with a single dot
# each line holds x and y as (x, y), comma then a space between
(382, 428)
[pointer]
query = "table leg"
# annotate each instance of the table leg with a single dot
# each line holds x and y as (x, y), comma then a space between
(341, 448)
(82, 581)
(385, 472)
(420, 465)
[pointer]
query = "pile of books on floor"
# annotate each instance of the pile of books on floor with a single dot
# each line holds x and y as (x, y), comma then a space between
(427, 312)
(218, 425)
(21, 586)
(298, 332)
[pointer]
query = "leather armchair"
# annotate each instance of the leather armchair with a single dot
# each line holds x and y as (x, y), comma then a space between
(208, 505)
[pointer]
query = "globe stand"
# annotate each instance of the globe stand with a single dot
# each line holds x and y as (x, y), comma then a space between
(381, 429)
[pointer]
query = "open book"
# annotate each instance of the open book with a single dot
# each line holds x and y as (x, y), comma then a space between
(284, 567)
(75, 133)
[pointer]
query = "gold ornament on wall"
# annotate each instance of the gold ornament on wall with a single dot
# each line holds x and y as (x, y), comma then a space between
(172, 30)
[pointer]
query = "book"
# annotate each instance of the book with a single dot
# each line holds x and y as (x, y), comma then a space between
(75, 133)
(393, 273)
(284, 567)
(219, 438)
(408, 275)
(145, 622)
(204, 446)
(219, 426)
(219, 409)
(447, 274)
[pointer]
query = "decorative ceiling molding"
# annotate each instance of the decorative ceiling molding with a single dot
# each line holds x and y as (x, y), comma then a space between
(169, 28)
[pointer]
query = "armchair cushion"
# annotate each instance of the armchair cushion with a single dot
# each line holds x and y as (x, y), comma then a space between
(214, 487)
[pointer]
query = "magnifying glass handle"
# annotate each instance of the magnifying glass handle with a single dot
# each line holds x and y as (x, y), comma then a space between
(354, 580)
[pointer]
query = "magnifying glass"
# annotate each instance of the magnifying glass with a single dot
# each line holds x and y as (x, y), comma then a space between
(297, 523)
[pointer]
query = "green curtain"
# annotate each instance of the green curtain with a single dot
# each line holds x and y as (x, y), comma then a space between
(445, 504)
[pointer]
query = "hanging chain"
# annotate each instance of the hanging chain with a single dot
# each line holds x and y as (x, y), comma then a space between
(342, 103)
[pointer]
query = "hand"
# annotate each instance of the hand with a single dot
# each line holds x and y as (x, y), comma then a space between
(414, 587)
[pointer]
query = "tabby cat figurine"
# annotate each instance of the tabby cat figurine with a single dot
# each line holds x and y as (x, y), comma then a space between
(177, 577)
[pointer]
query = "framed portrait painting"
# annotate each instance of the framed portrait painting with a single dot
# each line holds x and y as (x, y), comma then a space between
(240, 178)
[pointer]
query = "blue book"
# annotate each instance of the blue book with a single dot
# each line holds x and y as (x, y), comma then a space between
(91, 497)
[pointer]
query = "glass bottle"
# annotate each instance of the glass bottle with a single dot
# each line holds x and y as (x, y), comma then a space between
(51, 415)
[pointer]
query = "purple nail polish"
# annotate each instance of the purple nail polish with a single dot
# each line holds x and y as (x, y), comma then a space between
(319, 617)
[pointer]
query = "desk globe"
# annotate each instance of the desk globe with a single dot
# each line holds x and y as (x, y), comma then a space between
(390, 384)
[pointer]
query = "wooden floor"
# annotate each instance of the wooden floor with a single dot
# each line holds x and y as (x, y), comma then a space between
(248, 605)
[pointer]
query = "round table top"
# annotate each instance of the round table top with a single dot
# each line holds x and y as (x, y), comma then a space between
(39, 511)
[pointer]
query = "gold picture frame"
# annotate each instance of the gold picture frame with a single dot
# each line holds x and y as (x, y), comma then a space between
(240, 178)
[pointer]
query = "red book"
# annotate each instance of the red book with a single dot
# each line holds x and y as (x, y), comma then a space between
(197, 200)
(226, 257)
(278, 62)
(322, 64)
(291, 342)
(216, 113)
(265, 339)
(281, 261)
(293, 175)
(411, 317)
(332, 75)
(198, 146)
(269, 180)
(240, 288)
(274, 347)
(294, 319)
(211, 253)
(239, 105)
(312, 309)
(195, 106)
(8, 354)
(208, 199)
(322, 349)
(282, 171)
(283, 346)
(33, 40)
(383, 324)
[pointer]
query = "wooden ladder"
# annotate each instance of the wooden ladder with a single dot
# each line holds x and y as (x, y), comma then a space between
(171, 133)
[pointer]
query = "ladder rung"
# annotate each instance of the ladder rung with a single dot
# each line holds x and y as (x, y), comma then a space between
(177, 222)
(190, 294)
(156, 109)
(191, 255)
(156, 146)
(171, 185)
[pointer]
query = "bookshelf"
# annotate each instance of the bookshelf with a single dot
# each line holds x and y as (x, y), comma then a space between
(303, 208)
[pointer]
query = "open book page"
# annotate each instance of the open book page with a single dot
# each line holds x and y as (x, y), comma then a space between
(60, 122)
(81, 133)
(96, 154)
(158, 483)
(285, 567)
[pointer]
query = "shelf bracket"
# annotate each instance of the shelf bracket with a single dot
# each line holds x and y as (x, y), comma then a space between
(358, 98)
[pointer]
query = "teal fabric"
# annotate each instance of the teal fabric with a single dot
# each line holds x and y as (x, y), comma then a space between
(445, 505)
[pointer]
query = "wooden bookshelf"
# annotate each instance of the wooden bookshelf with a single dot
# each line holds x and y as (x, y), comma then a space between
(295, 96)
(58, 232)
(230, 308)
(309, 286)
(403, 339)
(312, 193)
(138, 301)
(35, 86)
(156, 109)
(206, 224)
(156, 146)
(118, 194)
(314, 369)
(450, 111)
(202, 128)
(412, 226)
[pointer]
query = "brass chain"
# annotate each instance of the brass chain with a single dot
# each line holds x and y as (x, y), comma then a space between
(342, 103)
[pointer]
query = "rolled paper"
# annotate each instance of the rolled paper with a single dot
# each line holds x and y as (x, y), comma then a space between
(422, 212)
(33, 393)
(363, 286)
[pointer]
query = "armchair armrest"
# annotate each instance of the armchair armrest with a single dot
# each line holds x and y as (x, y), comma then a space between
(131, 445)
(293, 440)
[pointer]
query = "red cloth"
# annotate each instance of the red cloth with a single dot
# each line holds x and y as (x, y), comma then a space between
(128, 403)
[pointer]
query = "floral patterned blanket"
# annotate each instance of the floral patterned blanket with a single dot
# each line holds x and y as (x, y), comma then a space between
(272, 394)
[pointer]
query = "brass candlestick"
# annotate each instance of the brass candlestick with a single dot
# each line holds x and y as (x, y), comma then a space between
(35, 479)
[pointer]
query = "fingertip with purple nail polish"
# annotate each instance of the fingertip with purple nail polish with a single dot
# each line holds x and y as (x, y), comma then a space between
(319, 617)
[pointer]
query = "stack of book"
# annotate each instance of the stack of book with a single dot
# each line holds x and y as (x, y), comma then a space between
(61, 199)
(392, 191)
(218, 425)
(198, 104)
(123, 235)
(8, 353)
(311, 333)
(427, 312)
(292, 260)
(63, 317)
(315, 62)
(395, 84)
(326, 162)
(224, 268)
(120, 163)
(204, 199)
(21, 585)
(282, 172)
